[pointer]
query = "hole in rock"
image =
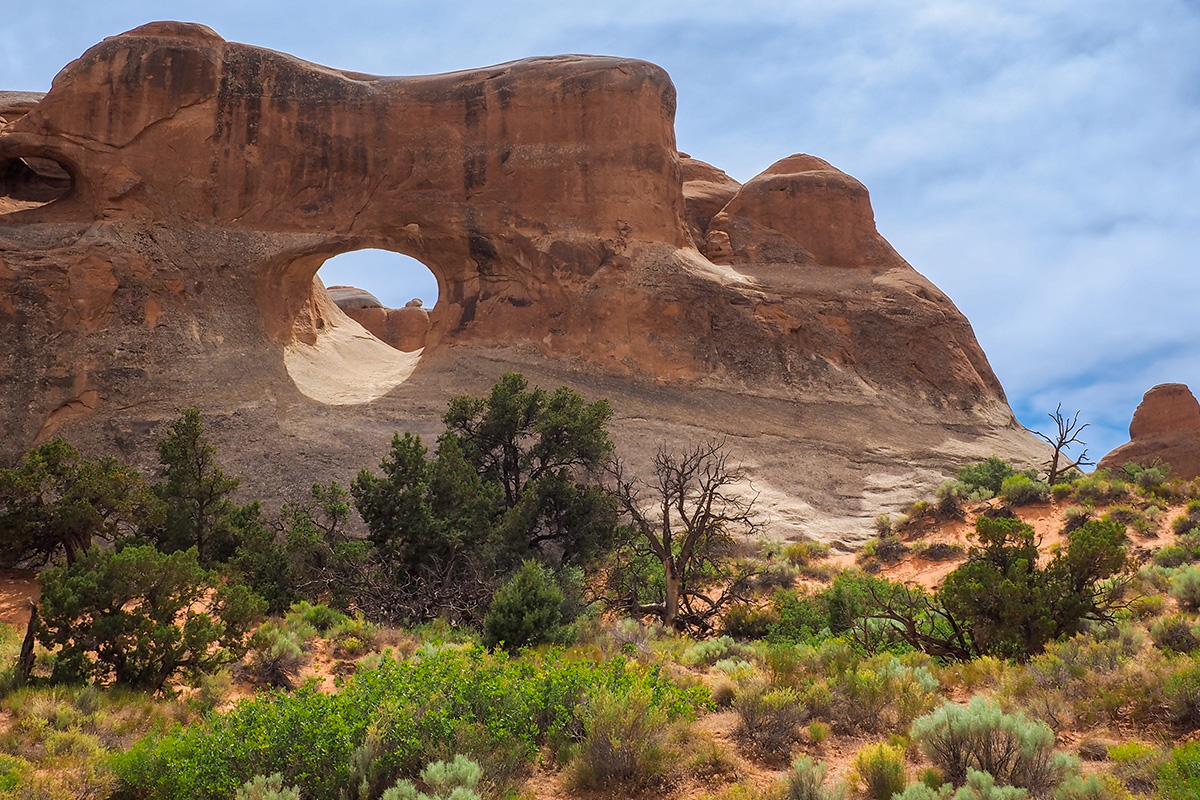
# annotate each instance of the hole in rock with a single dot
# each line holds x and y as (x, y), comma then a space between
(389, 294)
(30, 182)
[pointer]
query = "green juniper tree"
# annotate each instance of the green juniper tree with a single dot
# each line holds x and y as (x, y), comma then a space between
(307, 554)
(55, 502)
(134, 616)
(1002, 602)
(197, 494)
(512, 477)
(545, 452)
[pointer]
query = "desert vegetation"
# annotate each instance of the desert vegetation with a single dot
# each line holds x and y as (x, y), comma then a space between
(523, 617)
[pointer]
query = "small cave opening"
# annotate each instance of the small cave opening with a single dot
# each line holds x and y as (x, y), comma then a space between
(31, 182)
(390, 294)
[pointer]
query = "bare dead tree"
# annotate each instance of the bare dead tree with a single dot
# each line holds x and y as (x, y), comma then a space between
(1068, 434)
(686, 518)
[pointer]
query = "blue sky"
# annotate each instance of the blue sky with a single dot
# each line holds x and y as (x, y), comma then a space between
(1039, 161)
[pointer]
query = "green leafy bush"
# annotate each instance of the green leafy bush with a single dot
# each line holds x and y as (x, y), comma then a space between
(1182, 693)
(1100, 487)
(1136, 765)
(626, 743)
(1062, 489)
(797, 617)
(744, 621)
(1176, 633)
(447, 699)
(1185, 522)
(887, 548)
(839, 609)
(1185, 550)
(940, 551)
(353, 636)
(1021, 490)
(322, 618)
(881, 693)
(881, 769)
(1148, 479)
(1091, 787)
(13, 771)
(1009, 747)
(988, 474)
(1179, 778)
(1148, 522)
(1147, 606)
(57, 738)
(805, 551)
(950, 496)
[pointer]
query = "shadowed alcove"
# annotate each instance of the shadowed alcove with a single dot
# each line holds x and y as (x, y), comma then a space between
(31, 182)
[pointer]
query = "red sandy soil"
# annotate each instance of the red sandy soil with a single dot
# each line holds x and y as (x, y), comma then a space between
(17, 589)
(1047, 522)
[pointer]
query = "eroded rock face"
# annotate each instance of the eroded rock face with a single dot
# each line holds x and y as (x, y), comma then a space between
(1166, 428)
(208, 181)
(406, 329)
(706, 190)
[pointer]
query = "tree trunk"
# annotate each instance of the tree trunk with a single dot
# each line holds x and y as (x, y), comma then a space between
(25, 660)
(671, 603)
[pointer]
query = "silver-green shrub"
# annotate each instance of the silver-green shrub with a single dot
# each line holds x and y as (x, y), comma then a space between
(1185, 587)
(1092, 787)
(768, 719)
(266, 787)
(806, 781)
(1013, 749)
(447, 780)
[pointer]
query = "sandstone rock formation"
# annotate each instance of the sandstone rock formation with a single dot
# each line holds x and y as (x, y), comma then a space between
(167, 204)
(1165, 428)
(405, 329)
(706, 190)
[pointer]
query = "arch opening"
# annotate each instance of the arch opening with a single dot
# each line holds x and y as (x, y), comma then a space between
(391, 295)
(31, 182)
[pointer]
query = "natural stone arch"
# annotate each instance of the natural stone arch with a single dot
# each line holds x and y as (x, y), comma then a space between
(330, 356)
(33, 176)
(405, 322)
(296, 306)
